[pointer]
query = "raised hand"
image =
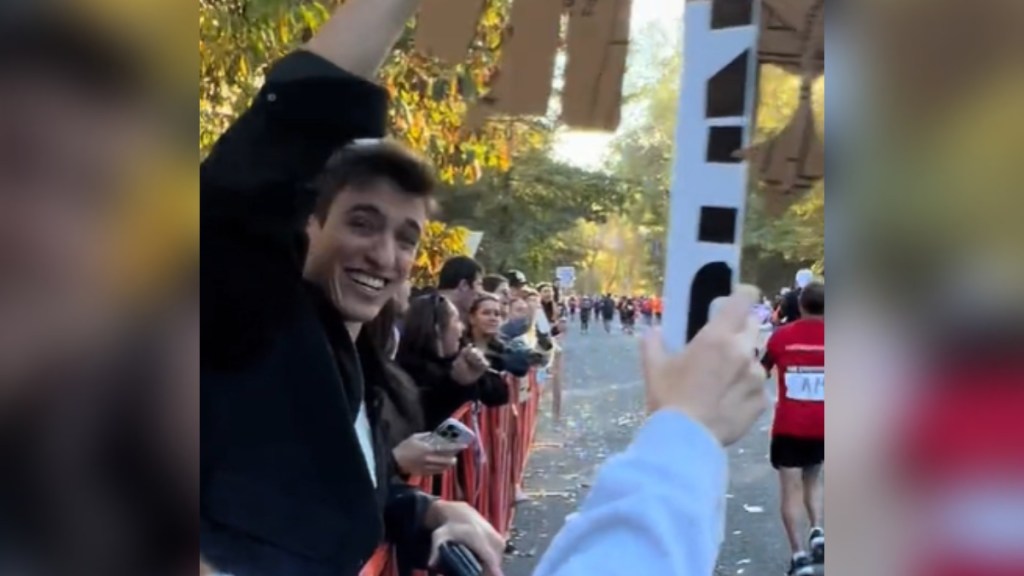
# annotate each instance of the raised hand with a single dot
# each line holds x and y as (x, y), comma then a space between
(716, 380)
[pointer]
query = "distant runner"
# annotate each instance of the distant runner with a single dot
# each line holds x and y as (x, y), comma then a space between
(608, 312)
(586, 307)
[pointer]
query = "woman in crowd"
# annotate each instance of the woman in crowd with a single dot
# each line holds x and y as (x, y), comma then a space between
(447, 374)
(511, 346)
(520, 331)
(484, 333)
(550, 303)
(401, 415)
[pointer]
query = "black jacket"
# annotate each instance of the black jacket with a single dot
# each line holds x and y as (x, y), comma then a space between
(441, 395)
(284, 489)
(503, 358)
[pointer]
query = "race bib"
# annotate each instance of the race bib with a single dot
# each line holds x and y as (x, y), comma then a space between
(805, 384)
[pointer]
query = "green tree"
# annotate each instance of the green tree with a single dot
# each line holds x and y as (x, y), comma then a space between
(642, 155)
(528, 213)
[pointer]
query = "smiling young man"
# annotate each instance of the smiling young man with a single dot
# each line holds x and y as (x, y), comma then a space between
(309, 229)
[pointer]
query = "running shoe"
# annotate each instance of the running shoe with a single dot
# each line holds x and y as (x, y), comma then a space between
(817, 542)
(801, 565)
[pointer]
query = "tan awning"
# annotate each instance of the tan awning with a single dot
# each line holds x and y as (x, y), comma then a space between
(791, 163)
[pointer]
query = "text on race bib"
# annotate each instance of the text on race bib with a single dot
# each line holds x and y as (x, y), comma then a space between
(805, 384)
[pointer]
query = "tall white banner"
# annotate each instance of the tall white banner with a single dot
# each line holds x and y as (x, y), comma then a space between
(709, 179)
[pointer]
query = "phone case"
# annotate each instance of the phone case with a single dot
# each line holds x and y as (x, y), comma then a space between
(452, 432)
(457, 560)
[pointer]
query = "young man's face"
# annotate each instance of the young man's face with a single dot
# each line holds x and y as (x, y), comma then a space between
(364, 250)
(503, 292)
(467, 293)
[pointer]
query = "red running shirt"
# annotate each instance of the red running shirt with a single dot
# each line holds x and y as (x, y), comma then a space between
(797, 350)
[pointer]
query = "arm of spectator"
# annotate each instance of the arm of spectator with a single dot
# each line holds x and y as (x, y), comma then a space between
(314, 102)
(516, 362)
(658, 508)
(256, 177)
(361, 33)
(404, 515)
(494, 390)
(439, 394)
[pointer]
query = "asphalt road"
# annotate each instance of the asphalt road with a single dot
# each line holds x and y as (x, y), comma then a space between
(602, 408)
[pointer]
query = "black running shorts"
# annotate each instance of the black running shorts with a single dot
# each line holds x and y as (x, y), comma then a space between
(792, 452)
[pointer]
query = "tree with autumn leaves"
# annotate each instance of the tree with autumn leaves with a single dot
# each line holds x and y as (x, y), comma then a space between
(775, 244)
(238, 39)
(498, 179)
(536, 213)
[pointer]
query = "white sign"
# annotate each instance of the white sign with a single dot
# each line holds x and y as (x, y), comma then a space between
(805, 384)
(697, 270)
(566, 276)
(473, 242)
(540, 319)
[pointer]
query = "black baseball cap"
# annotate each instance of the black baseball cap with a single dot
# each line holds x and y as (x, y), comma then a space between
(516, 279)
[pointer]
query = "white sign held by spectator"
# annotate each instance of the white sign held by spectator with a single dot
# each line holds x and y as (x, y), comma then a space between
(566, 276)
(473, 242)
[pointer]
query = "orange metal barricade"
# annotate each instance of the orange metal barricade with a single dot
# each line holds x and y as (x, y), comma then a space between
(485, 478)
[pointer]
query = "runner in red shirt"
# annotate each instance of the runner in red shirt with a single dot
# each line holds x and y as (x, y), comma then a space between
(797, 352)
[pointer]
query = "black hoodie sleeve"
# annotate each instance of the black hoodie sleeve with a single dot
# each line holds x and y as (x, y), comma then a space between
(493, 389)
(404, 514)
(440, 395)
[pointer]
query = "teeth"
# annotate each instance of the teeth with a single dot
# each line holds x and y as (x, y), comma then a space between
(367, 280)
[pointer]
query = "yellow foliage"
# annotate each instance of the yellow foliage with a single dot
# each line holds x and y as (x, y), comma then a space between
(779, 98)
(615, 254)
(438, 243)
(428, 99)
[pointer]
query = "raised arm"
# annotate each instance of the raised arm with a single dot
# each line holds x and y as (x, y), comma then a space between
(361, 33)
(314, 102)
(255, 197)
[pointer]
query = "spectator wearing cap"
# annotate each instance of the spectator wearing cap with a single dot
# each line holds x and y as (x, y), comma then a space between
(516, 283)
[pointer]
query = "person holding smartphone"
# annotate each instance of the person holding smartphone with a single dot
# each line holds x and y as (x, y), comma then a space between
(311, 224)
(447, 373)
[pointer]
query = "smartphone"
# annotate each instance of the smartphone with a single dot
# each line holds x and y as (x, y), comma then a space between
(458, 560)
(451, 432)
